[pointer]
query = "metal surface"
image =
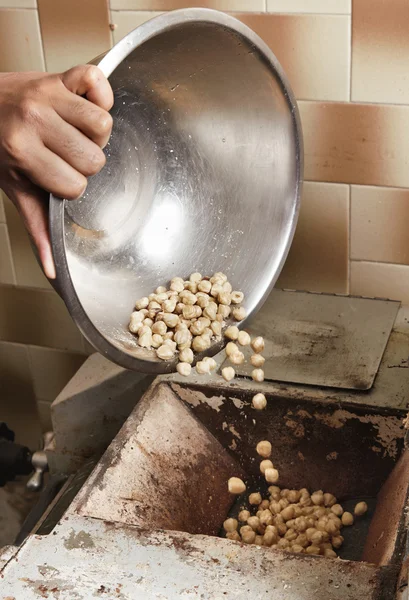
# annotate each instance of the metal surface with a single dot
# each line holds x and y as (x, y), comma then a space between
(167, 468)
(89, 558)
(323, 340)
(164, 470)
(203, 173)
(95, 403)
(40, 464)
(90, 410)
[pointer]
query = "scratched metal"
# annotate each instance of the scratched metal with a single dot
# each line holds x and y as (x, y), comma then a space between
(346, 450)
(390, 389)
(164, 470)
(324, 340)
(87, 559)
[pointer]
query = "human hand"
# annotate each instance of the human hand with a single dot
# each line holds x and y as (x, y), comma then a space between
(52, 129)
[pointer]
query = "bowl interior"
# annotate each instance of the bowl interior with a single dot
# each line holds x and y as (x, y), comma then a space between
(202, 174)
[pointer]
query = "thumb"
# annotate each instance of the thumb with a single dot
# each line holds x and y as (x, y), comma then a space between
(32, 204)
(89, 81)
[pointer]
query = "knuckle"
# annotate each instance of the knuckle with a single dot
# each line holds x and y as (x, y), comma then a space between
(14, 146)
(91, 75)
(96, 162)
(75, 189)
(100, 123)
(105, 124)
(29, 110)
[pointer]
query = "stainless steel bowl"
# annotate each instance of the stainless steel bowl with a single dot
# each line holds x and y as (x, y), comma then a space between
(203, 173)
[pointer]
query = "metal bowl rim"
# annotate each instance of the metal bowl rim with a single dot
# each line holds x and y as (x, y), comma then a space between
(108, 64)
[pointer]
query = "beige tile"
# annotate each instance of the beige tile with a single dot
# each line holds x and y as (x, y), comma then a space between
(18, 3)
(37, 317)
(20, 41)
(341, 7)
(27, 269)
(73, 32)
(51, 370)
(225, 5)
(2, 212)
(379, 224)
(377, 280)
(312, 49)
(380, 51)
(44, 413)
(6, 261)
(356, 143)
(17, 401)
(318, 259)
(127, 20)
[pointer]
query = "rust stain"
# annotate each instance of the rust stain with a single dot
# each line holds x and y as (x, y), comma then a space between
(298, 429)
(388, 430)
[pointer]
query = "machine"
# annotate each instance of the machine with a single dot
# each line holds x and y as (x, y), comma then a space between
(144, 466)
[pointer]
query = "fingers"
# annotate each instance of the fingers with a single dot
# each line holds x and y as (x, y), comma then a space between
(73, 147)
(93, 121)
(89, 81)
(90, 115)
(32, 204)
(51, 173)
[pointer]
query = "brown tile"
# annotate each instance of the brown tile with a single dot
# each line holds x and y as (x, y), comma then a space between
(128, 20)
(312, 49)
(73, 32)
(341, 7)
(379, 224)
(6, 261)
(318, 259)
(44, 413)
(356, 143)
(27, 269)
(379, 280)
(380, 50)
(225, 5)
(37, 317)
(51, 370)
(17, 401)
(20, 41)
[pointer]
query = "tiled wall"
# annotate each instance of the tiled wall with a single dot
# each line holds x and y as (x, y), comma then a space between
(347, 61)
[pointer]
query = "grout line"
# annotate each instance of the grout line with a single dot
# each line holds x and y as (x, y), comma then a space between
(18, 8)
(42, 40)
(35, 346)
(30, 288)
(350, 55)
(349, 239)
(13, 266)
(111, 22)
(30, 368)
(379, 262)
(242, 12)
(355, 103)
(298, 14)
(386, 187)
